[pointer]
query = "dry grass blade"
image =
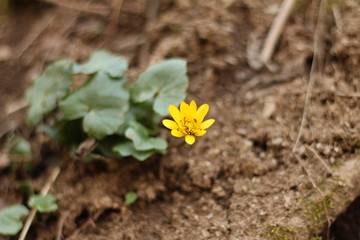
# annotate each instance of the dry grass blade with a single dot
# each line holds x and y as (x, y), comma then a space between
(276, 30)
(98, 9)
(54, 174)
(317, 60)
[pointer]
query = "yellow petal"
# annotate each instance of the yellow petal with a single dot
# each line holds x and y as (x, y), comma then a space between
(177, 133)
(175, 113)
(189, 139)
(201, 112)
(200, 133)
(184, 107)
(193, 108)
(170, 124)
(207, 124)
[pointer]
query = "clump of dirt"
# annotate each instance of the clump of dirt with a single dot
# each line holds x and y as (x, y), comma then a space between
(241, 180)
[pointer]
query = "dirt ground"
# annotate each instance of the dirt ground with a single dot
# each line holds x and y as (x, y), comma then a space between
(247, 178)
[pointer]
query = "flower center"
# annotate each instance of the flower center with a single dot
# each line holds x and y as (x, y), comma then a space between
(189, 126)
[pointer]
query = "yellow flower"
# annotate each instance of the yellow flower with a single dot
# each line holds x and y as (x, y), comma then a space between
(189, 121)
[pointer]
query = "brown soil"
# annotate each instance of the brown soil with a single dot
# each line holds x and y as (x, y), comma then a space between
(242, 180)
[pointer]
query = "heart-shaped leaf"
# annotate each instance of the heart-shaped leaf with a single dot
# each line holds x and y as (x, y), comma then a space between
(44, 204)
(127, 149)
(165, 82)
(102, 102)
(10, 219)
(51, 86)
(103, 61)
(140, 137)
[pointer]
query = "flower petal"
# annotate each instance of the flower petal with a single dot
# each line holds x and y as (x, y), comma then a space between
(189, 139)
(177, 133)
(206, 124)
(170, 124)
(184, 107)
(193, 107)
(201, 112)
(200, 133)
(175, 113)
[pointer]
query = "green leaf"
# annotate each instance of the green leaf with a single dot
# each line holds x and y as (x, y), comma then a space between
(165, 82)
(130, 198)
(20, 146)
(102, 102)
(51, 86)
(103, 61)
(127, 149)
(44, 204)
(140, 137)
(10, 219)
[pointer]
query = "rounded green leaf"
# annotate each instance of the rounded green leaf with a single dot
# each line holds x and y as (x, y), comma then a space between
(130, 198)
(44, 204)
(165, 82)
(102, 102)
(51, 86)
(127, 149)
(10, 219)
(103, 61)
(140, 137)
(20, 146)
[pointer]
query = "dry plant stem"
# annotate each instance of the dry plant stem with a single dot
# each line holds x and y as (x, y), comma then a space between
(61, 225)
(114, 16)
(54, 174)
(98, 9)
(34, 34)
(321, 160)
(337, 17)
(87, 223)
(151, 15)
(320, 193)
(318, 52)
(317, 60)
(276, 30)
(348, 96)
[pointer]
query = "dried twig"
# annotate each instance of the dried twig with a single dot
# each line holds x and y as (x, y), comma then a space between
(276, 30)
(321, 160)
(114, 16)
(151, 15)
(319, 191)
(348, 95)
(61, 225)
(98, 9)
(318, 53)
(54, 174)
(88, 222)
(337, 17)
(34, 34)
(317, 60)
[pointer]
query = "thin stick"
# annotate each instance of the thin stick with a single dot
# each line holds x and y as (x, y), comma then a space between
(348, 95)
(319, 191)
(54, 174)
(61, 225)
(276, 30)
(83, 7)
(337, 17)
(88, 222)
(151, 15)
(114, 17)
(321, 160)
(34, 34)
(314, 65)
